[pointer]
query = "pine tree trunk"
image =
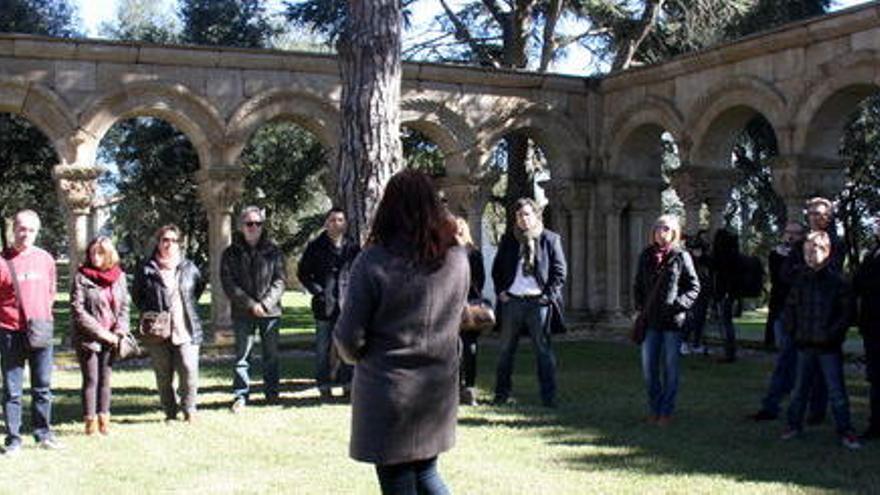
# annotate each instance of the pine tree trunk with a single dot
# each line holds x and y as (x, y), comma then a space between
(519, 183)
(369, 148)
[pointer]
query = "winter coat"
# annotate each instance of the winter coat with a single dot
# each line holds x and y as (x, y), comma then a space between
(818, 310)
(399, 326)
(866, 284)
(88, 308)
(678, 289)
(253, 275)
(478, 274)
(149, 293)
(323, 271)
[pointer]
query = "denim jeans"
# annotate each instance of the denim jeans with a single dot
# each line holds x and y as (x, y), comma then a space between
(660, 369)
(411, 478)
(168, 358)
(245, 333)
(15, 351)
(728, 329)
(468, 369)
(516, 314)
(784, 373)
(324, 363)
(830, 363)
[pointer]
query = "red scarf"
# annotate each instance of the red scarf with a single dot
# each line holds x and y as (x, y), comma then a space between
(660, 254)
(104, 278)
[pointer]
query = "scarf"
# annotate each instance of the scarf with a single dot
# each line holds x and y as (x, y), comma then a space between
(169, 263)
(103, 278)
(660, 254)
(528, 247)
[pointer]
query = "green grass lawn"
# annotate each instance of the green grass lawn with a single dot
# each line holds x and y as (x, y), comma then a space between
(594, 443)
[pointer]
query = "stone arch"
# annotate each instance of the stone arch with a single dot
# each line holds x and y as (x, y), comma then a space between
(831, 99)
(176, 103)
(634, 137)
(315, 114)
(45, 110)
(566, 150)
(723, 112)
(447, 129)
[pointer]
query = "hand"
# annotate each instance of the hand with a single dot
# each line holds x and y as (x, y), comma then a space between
(258, 311)
(503, 297)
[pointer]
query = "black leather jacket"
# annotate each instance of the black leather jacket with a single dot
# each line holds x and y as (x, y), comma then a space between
(253, 275)
(323, 271)
(677, 289)
(818, 310)
(149, 293)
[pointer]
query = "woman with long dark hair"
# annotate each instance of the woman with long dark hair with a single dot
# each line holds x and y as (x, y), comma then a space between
(399, 327)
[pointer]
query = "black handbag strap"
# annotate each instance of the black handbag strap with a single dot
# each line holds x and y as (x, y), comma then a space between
(15, 286)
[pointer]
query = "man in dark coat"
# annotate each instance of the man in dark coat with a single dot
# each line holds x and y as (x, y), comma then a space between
(529, 273)
(867, 286)
(253, 276)
(323, 270)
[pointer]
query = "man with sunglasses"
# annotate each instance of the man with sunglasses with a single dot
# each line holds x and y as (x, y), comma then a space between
(253, 275)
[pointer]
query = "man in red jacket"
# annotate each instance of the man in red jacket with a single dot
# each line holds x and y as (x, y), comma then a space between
(30, 299)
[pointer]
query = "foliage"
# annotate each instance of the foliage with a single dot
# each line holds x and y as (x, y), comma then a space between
(239, 23)
(767, 14)
(284, 164)
(156, 185)
(420, 153)
(27, 159)
(44, 17)
(142, 20)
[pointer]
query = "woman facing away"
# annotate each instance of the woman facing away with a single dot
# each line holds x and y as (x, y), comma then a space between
(400, 328)
(169, 283)
(99, 307)
(666, 287)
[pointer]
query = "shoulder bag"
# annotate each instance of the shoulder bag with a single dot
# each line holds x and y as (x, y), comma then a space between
(39, 332)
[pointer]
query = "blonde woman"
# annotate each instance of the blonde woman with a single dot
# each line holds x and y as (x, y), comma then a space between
(99, 306)
(468, 371)
(168, 282)
(666, 287)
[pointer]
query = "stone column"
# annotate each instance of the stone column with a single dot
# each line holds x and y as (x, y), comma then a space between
(613, 264)
(77, 186)
(798, 178)
(687, 186)
(219, 190)
(575, 198)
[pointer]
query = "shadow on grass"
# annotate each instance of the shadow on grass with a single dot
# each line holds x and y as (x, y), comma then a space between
(602, 410)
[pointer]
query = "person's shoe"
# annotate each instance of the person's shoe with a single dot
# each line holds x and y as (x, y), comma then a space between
(90, 425)
(851, 441)
(49, 443)
(684, 349)
(814, 420)
(664, 421)
(467, 396)
(238, 405)
(503, 400)
(104, 424)
(763, 415)
(12, 450)
(272, 400)
(189, 417)
(326, 394)
(790, 433)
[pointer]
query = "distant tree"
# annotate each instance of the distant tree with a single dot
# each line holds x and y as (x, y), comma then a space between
(239, 23)
(44, 17)
(142, 20)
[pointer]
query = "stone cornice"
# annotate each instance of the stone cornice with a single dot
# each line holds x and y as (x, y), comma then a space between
(792, 35)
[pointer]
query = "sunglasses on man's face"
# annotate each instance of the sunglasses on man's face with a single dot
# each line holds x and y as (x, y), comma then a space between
(253, 224)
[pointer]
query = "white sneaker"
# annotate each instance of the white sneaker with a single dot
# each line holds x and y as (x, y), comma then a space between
(685, 349)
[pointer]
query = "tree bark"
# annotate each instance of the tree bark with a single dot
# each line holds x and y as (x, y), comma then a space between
(369, 150)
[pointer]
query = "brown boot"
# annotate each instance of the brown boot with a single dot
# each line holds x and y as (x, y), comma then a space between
(104, 423)
(91, 425)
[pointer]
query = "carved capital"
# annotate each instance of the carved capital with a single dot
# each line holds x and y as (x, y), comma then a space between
(797, 178)
(77, 186)
(220, 188)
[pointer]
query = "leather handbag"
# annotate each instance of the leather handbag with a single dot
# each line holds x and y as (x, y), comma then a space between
(39, 332)
(127, 348)
(477, 316)
(154, 327)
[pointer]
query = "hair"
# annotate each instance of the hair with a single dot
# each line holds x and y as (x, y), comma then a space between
(819, 238)
(335, 209)
(523, 202)
(21, 214)
(818, 200)
(462, 226)
(105, 246)
(166, 228)
(247, 210)
(673, 223)
(410, 209)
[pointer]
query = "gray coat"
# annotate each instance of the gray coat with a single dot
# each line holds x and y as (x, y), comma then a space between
(399, 326)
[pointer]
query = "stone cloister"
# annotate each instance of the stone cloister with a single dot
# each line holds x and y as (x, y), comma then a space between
(601, 137)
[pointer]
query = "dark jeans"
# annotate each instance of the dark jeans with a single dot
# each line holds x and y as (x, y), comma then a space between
(660, 369)
(872, 356)
(324, 362)
(784, 374)
(411, 478)
(245, 333)
(96, 371)
(15, 351)
(516, 315)
(696, 321)
(468, 371)
(728, 329)
(830, 363)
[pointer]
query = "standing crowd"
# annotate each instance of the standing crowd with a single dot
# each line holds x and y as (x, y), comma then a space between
(390, 328)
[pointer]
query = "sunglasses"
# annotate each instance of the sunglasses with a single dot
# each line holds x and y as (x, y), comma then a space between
(170, 239)
(253, 224)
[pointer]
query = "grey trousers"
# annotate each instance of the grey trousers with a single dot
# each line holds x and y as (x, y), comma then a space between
(183, 359)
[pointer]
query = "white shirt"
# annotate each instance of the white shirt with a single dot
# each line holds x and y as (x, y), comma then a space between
(524, 285)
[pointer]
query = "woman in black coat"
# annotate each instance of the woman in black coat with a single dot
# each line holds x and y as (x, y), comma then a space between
(399, 326)
(467, 392)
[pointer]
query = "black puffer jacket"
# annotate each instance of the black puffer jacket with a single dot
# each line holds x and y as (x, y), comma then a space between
(253, 275)
(678, 288)
(818, 310)
(149, 293)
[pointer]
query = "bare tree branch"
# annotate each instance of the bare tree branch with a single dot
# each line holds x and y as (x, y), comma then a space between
(628, 47)
(549, 46)
(463, 34)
